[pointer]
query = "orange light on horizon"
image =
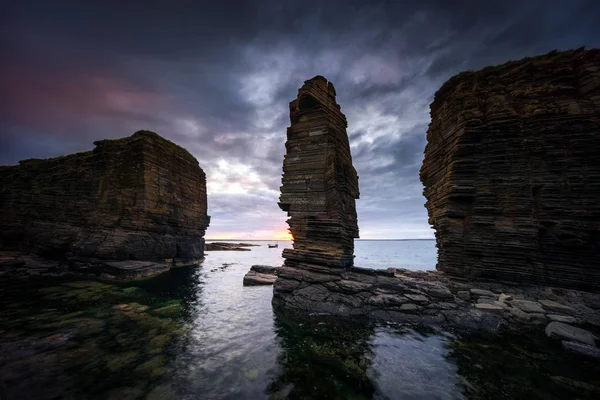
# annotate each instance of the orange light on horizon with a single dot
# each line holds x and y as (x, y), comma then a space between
(287, 235)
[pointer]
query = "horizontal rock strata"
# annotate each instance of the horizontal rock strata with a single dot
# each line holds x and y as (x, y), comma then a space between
(512, 172)
(319, 187)
(140, 198)
(260, 275)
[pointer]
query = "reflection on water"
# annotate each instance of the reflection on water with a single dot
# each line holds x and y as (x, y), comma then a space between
(197, 333)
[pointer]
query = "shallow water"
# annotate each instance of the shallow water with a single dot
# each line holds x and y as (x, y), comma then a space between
(197, 333)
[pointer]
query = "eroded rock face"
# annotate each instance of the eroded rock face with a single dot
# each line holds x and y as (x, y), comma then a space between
(512, 171)
(137, 198)
(319, 188)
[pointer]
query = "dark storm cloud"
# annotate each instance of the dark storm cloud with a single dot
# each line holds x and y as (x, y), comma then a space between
(217, 77)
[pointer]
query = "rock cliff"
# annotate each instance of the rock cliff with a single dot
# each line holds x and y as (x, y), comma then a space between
(512, 171)
(136, 198)
(319, 188)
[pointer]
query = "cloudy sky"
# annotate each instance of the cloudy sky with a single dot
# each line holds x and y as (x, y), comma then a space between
(216, 77)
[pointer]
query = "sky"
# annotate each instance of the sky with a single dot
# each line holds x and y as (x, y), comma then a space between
(216, 77)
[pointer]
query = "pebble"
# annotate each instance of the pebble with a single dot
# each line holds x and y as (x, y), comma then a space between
(505, 297)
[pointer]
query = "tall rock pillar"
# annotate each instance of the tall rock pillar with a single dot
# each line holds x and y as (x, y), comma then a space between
(319, 189)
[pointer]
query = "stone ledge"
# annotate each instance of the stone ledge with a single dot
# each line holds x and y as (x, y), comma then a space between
(432, 297)
(16, 264)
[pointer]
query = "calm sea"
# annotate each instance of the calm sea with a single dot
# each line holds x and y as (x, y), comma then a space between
(197, 333)
(379, 254)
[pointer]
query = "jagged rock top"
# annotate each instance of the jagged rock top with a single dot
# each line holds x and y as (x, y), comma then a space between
(524, 78)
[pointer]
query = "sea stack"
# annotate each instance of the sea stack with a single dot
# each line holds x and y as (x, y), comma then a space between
(512, 171)
(319, 190)
(140, 199)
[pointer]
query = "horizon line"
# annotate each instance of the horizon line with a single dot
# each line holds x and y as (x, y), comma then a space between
(291, 240)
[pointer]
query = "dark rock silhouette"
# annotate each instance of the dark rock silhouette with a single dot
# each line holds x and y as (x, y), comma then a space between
(512, 171)
(511, 179)
(137, 198)
(319, 188)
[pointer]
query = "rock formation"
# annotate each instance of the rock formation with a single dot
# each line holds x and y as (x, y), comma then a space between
(224, 246)
(137, 198)
(512, 171)
(319, 188)
(260, 275)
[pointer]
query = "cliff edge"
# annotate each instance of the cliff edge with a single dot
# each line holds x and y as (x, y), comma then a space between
(512, 171)
(137, 198)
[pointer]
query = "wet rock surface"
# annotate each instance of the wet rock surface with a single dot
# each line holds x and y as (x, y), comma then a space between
(57, 339)
(511, 172)
(560, 330)
(436, 299)
(132, 199)
(260, 275)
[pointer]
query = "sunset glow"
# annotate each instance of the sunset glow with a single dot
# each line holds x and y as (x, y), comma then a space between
(283, 236)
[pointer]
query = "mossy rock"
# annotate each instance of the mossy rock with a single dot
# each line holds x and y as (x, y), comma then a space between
(161, 392)
(133, 291)
(52, 289)
(62, 317)
(88, 285)
(250, 373)
(139, 308)
(157, 344)
(126, 339)
(67, 323)
(120, 361)
(172, 310)
(125, 393)
(90, 326)
(153, 367)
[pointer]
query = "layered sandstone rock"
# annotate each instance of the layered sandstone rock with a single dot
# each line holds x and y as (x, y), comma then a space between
(137, 198)
(512, 171)
(319, 189)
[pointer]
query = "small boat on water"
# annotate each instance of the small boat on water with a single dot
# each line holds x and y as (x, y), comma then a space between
(273, 246)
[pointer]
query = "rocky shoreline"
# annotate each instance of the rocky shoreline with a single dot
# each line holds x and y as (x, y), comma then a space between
(432, 298)
(224, 246)
(19, 264)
